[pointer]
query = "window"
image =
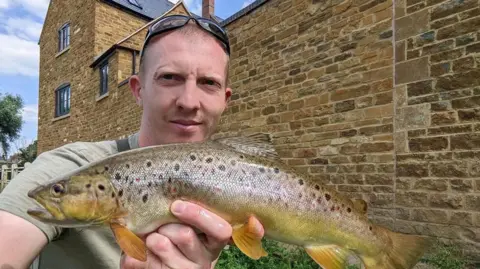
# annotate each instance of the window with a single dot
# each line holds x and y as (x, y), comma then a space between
(135, 3)
(104, 79)
(62, 100)
(64, 37)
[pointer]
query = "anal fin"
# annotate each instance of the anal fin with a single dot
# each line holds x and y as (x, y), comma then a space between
(328, 256)
(249, 240)
(130, 243)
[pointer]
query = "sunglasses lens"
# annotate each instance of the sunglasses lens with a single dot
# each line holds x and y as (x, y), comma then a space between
(209, 26)
(167, 23)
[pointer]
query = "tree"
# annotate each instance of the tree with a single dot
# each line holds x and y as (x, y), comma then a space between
(27, 154)
(10, 121)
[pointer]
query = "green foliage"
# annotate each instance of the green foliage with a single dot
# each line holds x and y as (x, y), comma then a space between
(444, 256)
(28, 154)
(278, 258)
(10, 121)
(353, 266)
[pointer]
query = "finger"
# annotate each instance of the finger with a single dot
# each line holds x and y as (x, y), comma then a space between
(187, 241)
(217, 230)
(127, 262)
(166, 253)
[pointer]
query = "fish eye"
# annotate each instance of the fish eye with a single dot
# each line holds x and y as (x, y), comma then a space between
(58, 189)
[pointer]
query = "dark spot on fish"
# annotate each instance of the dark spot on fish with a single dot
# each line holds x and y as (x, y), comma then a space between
(349, 210)
(221, 167)
(185, 174)
(327, 196)
(88, 185)
(113, 194)
(118, 176)
(233, 162)
(177, 167)
(317, 187)
(126, 178)
(241, 157)
(276, 170)
(131, 183)
(243, 171)
(319, 200)
(300, 182)
(145, 198)
(169, 180)
(101, 187)
(332, 208)
(149, 184)
(286, 205)
(192, 157)
(313, 195)
(338, 208)
(209, 160)
(149, 163)
(106, 168)
(127, 166)
(160, 176)
(343, 205)
(262, 170)
(370, 228)
(300, 195)
(120, 193)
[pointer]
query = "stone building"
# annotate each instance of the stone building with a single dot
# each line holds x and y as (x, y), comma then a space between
(380, 98)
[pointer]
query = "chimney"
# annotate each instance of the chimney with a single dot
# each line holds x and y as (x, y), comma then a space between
(208, 7)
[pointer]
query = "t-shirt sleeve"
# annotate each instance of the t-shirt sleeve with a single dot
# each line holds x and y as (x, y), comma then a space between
(46, 167)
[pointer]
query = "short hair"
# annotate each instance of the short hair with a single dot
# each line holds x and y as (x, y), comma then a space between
(194, 32)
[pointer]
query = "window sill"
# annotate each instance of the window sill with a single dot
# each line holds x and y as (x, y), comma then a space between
(103, 96)
(62, 52)
(61, 117)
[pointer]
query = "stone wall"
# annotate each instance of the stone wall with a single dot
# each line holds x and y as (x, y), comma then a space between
(437, 99)
(382, 106)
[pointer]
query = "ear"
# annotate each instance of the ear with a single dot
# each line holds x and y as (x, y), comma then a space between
(136, 88)
(228, 94)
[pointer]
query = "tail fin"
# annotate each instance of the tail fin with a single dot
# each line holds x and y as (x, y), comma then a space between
(404, 252)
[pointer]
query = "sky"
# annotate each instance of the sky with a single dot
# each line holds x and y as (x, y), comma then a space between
(20, 26)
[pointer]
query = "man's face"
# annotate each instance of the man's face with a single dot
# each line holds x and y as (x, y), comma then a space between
(182, 89)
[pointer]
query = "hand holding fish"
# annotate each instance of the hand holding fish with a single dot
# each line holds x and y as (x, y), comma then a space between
(178, 246)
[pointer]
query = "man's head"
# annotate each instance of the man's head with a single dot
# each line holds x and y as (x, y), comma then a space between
(181, 86)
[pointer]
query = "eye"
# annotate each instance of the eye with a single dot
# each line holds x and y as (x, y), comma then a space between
(58, 189)
(210, 82)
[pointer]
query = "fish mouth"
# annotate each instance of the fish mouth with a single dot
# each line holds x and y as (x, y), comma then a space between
(40, 213)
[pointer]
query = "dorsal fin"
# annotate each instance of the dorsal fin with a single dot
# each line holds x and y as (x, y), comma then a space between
(257, 144)
(360, 205)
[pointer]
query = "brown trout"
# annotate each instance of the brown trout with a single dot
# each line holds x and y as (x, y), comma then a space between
(237, 178)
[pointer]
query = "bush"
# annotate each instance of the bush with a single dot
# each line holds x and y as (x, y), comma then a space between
(444, 256)
(278, 258)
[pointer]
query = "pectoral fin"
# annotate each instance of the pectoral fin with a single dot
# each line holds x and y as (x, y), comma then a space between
(328, 256)
(131, 244)
(249, 240)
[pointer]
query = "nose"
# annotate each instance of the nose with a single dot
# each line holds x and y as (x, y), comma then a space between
(188, 99)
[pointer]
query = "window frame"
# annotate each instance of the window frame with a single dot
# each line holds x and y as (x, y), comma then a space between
(103, 78)
(62, 100)
(64, 37)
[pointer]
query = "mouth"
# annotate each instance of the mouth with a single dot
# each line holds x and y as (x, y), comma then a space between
(40, 213)
(186, 122)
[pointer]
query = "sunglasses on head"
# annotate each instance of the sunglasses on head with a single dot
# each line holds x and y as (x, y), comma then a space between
(177, 21)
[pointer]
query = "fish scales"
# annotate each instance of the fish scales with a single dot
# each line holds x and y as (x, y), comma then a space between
(236, 178)
(225, 182)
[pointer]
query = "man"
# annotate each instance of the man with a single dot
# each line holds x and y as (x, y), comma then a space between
(182, 88)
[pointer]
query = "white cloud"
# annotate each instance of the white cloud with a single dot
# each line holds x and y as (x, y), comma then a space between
(247, 2)
(23, 27)
(4, 3)
(37, 8)
(30, 113)
(18, 56)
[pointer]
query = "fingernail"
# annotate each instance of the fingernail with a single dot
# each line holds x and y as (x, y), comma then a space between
(178, 207)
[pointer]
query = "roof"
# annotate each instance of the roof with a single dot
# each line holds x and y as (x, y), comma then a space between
(150, 9)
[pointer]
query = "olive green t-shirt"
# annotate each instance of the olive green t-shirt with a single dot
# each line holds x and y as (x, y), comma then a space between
(67, 248)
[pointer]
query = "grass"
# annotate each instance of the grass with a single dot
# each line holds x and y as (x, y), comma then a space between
(442, 256)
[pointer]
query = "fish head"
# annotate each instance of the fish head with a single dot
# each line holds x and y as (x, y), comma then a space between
(83, 199)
